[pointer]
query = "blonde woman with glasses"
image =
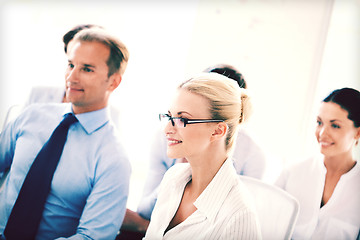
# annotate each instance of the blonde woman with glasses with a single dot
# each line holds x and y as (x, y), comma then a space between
(204, 198)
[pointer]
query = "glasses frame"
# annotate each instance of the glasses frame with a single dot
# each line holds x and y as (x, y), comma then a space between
(186, 121)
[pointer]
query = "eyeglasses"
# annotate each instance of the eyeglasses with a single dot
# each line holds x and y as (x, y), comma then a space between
(182, 122)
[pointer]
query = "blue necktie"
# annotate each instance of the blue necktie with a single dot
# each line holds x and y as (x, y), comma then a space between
(27, 211)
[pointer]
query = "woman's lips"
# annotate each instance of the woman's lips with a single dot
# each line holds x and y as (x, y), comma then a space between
(172, 141)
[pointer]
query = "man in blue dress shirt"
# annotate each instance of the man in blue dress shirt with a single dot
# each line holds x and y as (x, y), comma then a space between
(90, 186)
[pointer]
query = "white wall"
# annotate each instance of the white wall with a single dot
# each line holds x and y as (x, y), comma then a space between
(340, 65)
(291, 52)
(156, 34)
(278, 46)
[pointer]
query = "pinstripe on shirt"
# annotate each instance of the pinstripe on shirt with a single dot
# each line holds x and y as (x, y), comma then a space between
(224, 208)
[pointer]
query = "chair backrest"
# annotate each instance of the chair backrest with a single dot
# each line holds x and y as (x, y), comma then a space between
(277, 210)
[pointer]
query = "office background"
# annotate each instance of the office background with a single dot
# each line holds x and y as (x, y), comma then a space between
(291, 52)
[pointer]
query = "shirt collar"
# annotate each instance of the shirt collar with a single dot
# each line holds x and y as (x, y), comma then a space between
(212, 198)
(353, 172)
(90, 121)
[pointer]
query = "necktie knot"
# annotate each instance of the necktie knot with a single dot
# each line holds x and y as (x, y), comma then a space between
(68, 120)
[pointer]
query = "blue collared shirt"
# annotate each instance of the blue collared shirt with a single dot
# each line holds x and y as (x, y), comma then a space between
(90, 187)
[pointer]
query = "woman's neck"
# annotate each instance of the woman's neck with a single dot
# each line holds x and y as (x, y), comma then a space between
(340, 164)
(203, 171)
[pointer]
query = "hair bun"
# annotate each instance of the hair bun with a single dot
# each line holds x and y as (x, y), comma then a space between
(246, 106)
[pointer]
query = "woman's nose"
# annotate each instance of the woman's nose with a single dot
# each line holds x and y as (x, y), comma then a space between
(169, 128)
(323, 131)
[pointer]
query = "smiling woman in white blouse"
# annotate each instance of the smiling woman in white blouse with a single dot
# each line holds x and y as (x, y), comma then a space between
(204, 198)
(328, 186)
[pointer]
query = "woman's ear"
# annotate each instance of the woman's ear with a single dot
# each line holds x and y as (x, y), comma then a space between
(220, 131)
(357, 136)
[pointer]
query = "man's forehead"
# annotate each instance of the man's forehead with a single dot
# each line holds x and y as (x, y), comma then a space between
(89, 51)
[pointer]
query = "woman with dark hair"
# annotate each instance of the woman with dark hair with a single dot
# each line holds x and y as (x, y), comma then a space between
(228, 71)
(327, 186)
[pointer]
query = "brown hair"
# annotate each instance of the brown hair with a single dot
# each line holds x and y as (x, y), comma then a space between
(119, 54)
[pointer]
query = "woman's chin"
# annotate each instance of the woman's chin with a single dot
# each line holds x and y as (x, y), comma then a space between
(173, 155)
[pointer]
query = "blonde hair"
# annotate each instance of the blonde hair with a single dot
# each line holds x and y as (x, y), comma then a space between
(228, 102)
(119, 55)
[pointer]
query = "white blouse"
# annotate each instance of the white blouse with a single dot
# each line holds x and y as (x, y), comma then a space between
(339, 218)
(224, 208)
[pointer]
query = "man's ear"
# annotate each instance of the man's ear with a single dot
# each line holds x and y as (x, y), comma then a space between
(220, 130)
(115, 80)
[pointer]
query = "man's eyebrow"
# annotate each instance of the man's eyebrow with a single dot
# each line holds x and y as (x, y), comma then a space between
(89, 65)
(84, 65)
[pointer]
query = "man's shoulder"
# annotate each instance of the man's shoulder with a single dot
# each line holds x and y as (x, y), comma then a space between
(45, 108)
(245, 138)
(111, 142)
(41, 112)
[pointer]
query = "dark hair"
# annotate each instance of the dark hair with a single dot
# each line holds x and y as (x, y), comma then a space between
(228, 71)
(70, 34)
(349, 100)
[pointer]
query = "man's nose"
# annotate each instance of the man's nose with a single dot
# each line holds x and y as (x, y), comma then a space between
(72, 75)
